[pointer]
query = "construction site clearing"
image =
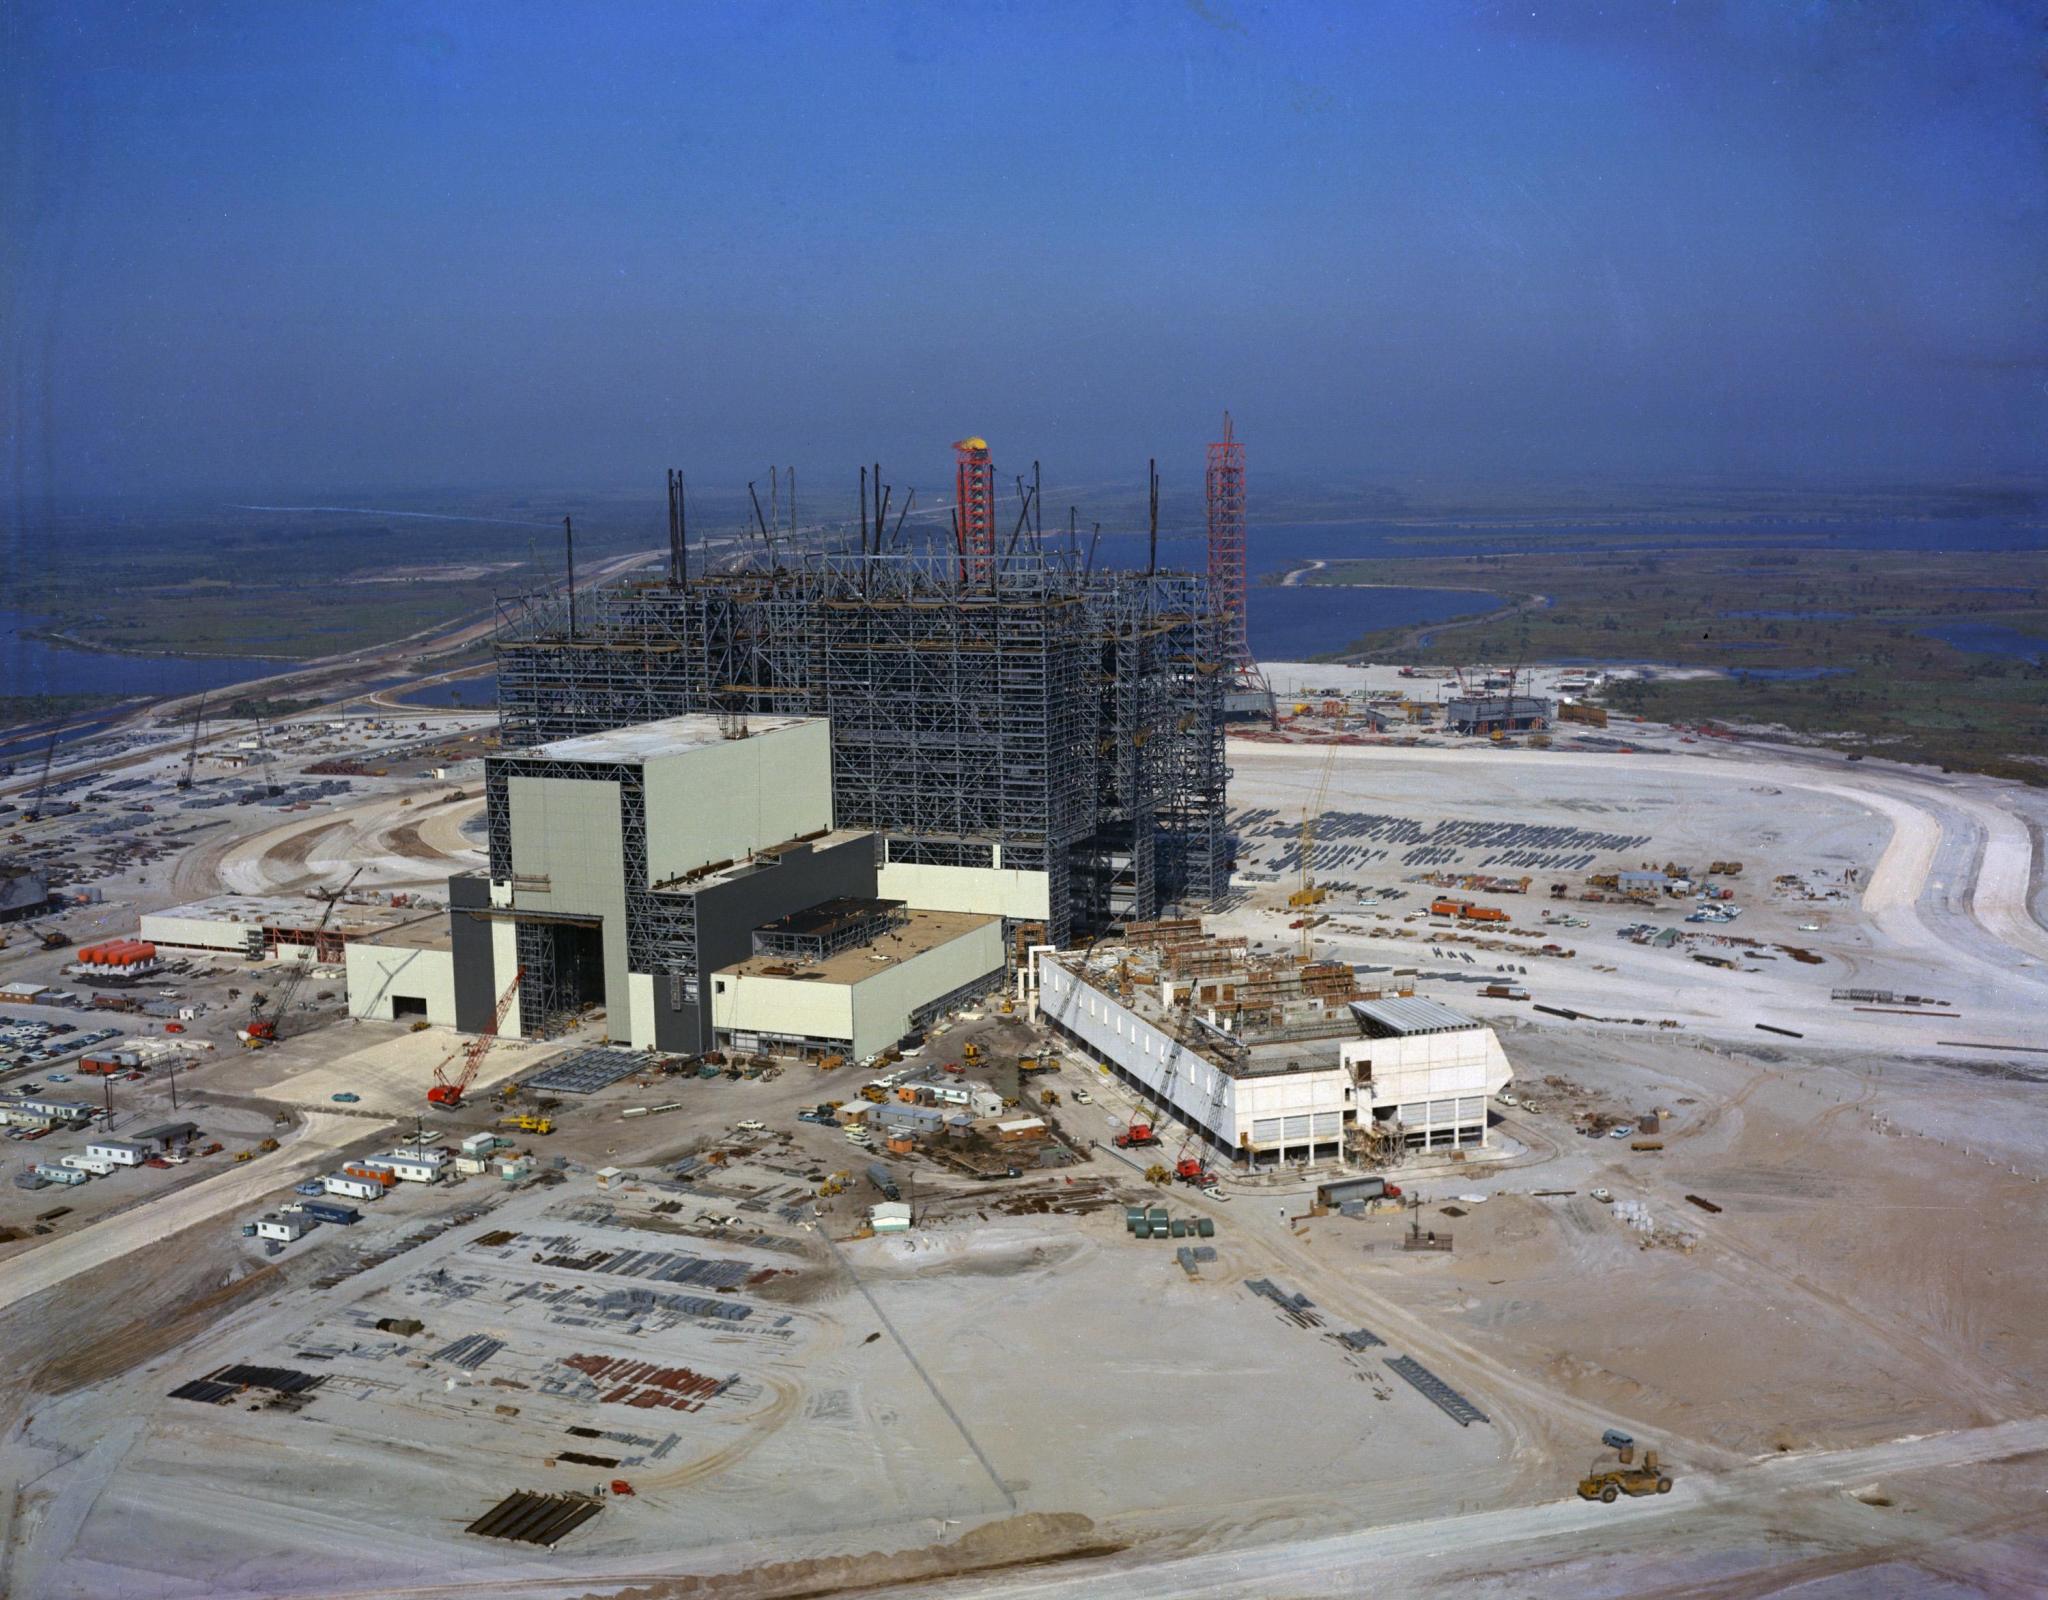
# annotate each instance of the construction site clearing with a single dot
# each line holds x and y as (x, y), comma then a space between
(1771, 1216)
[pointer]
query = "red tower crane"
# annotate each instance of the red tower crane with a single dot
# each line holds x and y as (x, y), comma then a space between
(449, 1091)
(974, 511)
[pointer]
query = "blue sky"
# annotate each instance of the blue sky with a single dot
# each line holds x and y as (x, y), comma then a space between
(298, 247)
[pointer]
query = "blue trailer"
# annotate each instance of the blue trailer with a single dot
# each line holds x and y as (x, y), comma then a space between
(330, 1211)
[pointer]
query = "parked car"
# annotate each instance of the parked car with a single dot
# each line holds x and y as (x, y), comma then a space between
(1626, 1131)
(1604, 1196)
(1083, 1097)
(345, 1098)
(751, 1125)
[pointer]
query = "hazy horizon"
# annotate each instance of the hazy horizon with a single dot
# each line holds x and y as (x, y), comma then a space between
(262, 249)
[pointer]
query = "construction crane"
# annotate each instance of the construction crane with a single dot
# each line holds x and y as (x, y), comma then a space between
(1308, 894)
(192, 755)
(264, 1030)
(34, 813)
(447, 1092)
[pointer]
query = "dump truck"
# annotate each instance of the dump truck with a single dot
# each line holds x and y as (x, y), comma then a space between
(1608, 1484)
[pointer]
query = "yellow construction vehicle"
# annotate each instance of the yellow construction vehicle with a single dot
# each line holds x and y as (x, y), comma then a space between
(267, 1146)
(874, 1093)
(1159, 1174)
(1608, 1484)
(970, 1052)
(527, 1122)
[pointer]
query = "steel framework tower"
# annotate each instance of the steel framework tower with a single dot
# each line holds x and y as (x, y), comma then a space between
(1225, 487)
(974, 503)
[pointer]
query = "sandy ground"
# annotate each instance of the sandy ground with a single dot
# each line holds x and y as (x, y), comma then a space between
(303, 1151)
(1845, 1363)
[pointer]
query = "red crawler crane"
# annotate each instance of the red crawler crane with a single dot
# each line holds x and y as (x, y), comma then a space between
(448, 1092)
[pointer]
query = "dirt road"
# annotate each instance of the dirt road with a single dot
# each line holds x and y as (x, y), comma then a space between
(245, 1184)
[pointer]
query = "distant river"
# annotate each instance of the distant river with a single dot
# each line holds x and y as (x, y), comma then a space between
(37, 666)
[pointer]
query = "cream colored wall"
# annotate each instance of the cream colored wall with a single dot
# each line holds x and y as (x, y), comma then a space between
(504, 963)
(720, 802)
(568, 831)
(639, 1010)
(882, 1004)
(376, 972)
(756, 1004)
(870, 1015)
(989, 891)
(205, 933)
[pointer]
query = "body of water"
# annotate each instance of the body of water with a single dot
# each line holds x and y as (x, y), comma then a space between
(38, 666)
(1991, 639)
(477, 691)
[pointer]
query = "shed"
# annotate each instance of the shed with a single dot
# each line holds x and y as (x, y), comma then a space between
(1018, 1128)
(889, 1216)
(281, 1225)
(416, 1166)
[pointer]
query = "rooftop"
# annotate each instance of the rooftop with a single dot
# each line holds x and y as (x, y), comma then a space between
(922, 931)
(1410, 1014)
(426, 933)
(646, 741)
(296, 911)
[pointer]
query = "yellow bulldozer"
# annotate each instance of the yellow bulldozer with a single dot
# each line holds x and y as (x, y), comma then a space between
(1609, 1484)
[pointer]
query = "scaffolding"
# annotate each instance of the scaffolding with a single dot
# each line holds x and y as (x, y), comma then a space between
(660, 923)
(1044, 719)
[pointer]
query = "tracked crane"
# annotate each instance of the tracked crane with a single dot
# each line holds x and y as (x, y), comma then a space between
(34, 813)
(447, 1091)
(1308, 894)
(264, 1030)
(192, 754)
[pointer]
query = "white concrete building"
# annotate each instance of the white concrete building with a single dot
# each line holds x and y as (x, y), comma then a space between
(1426, 1069)
(1404, 1073)
(1260, 1110)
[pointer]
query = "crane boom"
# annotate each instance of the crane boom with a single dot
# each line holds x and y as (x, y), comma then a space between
(264, 1030)
(192, 755)
(449, 1091)
(1308, 894)
(35, 806)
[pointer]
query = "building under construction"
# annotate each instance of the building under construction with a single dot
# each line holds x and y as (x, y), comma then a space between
(1025, 735)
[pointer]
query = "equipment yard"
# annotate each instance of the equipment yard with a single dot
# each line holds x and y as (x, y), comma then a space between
(666, 1344)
